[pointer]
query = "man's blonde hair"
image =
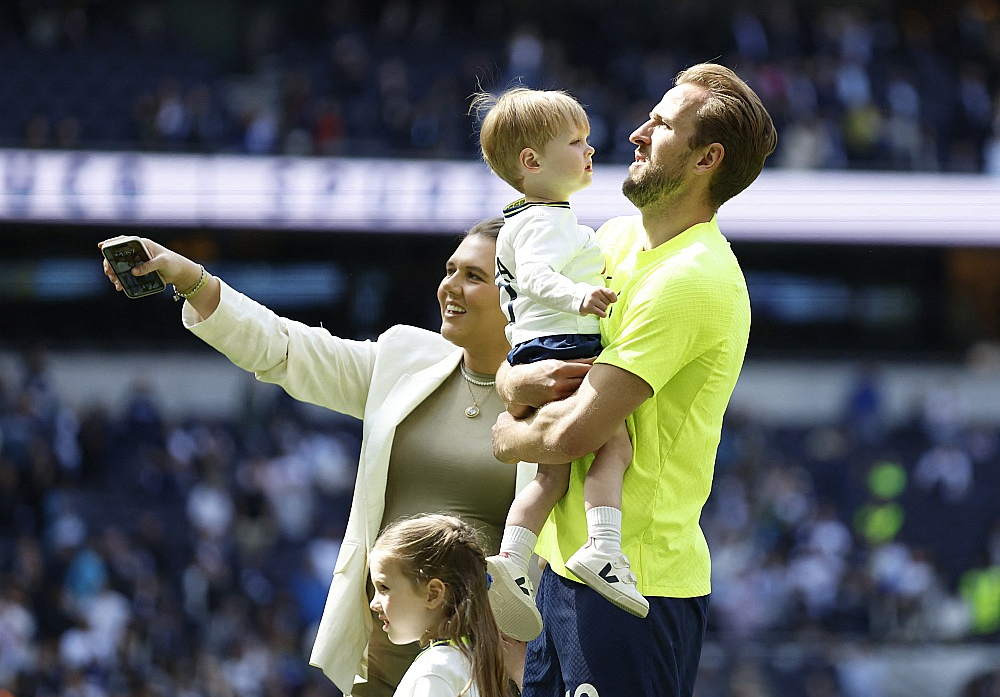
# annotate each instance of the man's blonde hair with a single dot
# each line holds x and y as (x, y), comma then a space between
(520, 118)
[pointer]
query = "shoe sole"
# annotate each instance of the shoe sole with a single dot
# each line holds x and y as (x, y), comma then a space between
(608, 592)
(515, 613)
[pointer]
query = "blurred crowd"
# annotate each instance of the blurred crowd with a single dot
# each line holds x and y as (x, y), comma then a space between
(893, 85)
(141, 555)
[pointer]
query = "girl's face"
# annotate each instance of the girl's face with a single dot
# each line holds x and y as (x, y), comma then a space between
(470, 304)
(408, 611)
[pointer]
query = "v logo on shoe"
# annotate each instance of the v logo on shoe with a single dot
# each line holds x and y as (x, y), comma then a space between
(522, 583)
(606, 574)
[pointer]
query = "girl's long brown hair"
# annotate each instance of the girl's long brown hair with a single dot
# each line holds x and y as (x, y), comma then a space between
(447, 548)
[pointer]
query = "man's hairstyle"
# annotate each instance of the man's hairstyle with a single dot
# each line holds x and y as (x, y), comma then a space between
(521, 118)
(734, 116)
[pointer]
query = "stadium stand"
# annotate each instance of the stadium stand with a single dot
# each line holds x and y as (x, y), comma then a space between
(145, 553)
(889, 86)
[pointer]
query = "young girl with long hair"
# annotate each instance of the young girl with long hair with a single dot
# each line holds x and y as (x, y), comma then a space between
(429, 575)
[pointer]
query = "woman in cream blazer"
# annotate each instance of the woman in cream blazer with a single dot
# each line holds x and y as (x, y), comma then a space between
(379, 382)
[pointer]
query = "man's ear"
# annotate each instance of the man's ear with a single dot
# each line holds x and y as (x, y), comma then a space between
(528, 159)
(436, 592)
(711, 158)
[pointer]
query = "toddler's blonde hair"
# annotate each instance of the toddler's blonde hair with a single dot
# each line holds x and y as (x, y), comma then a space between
(520, 118)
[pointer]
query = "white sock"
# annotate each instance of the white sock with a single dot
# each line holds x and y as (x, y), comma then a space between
(604, 526)
(519, 544)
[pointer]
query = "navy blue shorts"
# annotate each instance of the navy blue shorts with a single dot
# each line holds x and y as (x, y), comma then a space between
(565, 347)
(590, 648)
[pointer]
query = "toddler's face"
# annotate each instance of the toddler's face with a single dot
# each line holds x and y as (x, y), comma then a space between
(566, 164)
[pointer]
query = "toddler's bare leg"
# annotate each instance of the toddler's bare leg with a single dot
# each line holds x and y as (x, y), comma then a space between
(603, 485)
(600, 563)
(533, 504)
(512, 596)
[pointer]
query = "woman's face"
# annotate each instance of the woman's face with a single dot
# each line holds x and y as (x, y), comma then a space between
(470, 304)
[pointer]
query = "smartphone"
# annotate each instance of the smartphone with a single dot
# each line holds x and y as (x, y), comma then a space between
(122, 254)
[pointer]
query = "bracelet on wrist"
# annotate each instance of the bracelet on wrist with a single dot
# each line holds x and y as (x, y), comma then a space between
(193, 290)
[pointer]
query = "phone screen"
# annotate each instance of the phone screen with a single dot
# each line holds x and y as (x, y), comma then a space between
(122, 258)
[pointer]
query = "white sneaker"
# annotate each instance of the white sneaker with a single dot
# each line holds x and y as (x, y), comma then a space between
(609, 575)
(512, 598)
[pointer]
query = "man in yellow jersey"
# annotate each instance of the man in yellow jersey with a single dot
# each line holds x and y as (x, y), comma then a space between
(673, 348)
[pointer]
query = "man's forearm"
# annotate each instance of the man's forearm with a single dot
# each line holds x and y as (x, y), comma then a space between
(569, 428)
(535, 384)
(535, 439)
(504, 385)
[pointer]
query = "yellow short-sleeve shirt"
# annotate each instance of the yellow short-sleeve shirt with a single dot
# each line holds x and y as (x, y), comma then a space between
(681, 323)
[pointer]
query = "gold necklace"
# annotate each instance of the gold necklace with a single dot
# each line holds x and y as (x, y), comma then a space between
(472, 411)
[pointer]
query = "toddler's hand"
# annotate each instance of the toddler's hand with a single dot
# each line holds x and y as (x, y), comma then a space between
(596, 301)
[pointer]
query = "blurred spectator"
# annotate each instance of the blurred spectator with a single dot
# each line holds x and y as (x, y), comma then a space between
(880, 518)
(985, 684)
(944, 416)
(861, 673)
(993, 544)
(68, 133)
(172, 121)
(210, 506)
(17, 632)
(206, 131)
(819, 561)
(142, 421)
(980, 589)
(312, 580)
(260, 131)
(946, 470)
(328, 130)
(865, 405)
(37, 132)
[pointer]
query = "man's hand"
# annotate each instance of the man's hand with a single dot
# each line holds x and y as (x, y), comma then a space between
(597, 301)
(502, 440)
(535, 384)
(566, 429)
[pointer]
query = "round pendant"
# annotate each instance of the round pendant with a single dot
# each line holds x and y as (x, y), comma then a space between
(472, 412)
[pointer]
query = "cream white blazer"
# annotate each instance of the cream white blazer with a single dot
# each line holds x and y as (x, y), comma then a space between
(379, 382)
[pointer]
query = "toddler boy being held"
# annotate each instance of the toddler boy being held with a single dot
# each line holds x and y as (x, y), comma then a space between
(550, 270)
